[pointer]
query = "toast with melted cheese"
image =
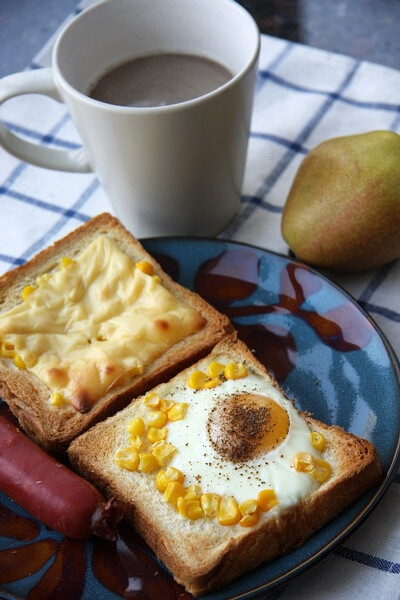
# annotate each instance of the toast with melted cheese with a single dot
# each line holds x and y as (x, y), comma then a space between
(218, 471)
(90, 323)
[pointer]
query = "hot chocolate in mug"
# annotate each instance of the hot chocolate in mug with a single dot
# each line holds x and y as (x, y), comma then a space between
(171, 166)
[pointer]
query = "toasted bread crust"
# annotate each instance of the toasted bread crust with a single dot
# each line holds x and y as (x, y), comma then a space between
(202, 555)
(54, 427)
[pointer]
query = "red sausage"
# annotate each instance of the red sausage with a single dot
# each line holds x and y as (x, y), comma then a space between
(50, 491)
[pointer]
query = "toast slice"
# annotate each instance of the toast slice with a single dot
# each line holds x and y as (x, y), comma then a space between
(239, 477)
(89, 323)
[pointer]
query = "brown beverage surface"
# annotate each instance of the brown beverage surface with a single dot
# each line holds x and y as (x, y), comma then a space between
(159, 79)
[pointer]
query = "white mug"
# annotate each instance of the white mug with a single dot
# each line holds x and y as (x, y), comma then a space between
(175, 169)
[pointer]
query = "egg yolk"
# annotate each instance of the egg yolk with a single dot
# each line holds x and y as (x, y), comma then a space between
(246, 425)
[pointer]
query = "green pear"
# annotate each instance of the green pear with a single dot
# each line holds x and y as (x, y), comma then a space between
(343, 209)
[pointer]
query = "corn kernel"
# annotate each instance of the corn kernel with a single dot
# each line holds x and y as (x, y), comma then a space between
(181, 505)
(66, 261)
(178, 411)
(194, 510)
(163, 452)
(56, 399)
(19, 362)
(235, 371)
(156, 279)
(174, 474)
(248, 507)
(136, 426)
(7, 350)
(322, 470)
(156, 418)
(152, 400)
(42, 279)
(318, 441)
(27, 291)
(155, 435)
(165, 404)
(303, 462)
(212, 383)
(193, 492)
(210, 504)
(229, 513)
(249, 520)
(127, 458)
(215, 368)
(161, 483)
(266, 499)
(136, 442)
(173, 491)
(164, 476)
(145, 267)
(147, 462)
(197, 380)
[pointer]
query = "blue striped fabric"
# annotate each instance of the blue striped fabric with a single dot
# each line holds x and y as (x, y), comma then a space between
(303, 96)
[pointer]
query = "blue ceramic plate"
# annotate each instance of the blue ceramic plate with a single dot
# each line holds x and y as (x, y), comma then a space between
(324, 351)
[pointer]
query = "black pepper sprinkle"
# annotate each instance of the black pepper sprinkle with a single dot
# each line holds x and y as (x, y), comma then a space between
(240, 428)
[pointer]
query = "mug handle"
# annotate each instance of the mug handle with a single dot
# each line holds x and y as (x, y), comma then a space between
(38, 82)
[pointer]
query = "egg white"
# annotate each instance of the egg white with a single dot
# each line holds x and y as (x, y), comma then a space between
(202, 464)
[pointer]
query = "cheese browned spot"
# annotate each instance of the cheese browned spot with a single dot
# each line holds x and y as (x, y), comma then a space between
(95, 323)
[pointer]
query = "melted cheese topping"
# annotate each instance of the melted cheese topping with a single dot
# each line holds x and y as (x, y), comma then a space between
(95, 323)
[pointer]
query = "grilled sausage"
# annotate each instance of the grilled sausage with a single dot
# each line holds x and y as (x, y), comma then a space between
(50, 491)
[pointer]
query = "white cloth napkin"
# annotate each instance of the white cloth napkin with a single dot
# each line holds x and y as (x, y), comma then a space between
(304, 96)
